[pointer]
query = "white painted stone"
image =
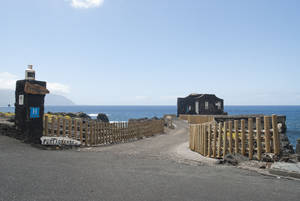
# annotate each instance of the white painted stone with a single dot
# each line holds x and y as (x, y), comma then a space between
(45, 140)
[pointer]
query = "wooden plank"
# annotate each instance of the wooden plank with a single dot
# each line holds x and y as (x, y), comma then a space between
(106, 133)
(70, 128)
(258, 137)
(125, 133)
(201, 139)
(225, 139)
(230, 136)
(267, 134)
(64, 127)
(275, 135)
(215, 140)
(243, 141)
(118, 131)
(95, 133)
(190, 137)
(103, 129)
(86, 139)
(194, 137)
(75, 129)
(98, 132)
(197, 138)
(205, 140)
(35, 89)
(58, 127)
(219, 139)
(110, 133)
(91, 133)
(46, 125)
(81, 132)
(52, 126)
(209, 141)
(236, 139)
(250, 138)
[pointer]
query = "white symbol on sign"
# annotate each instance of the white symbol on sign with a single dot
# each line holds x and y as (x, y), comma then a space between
(21, 99)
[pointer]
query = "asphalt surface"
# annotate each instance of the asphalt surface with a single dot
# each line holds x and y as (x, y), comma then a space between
(142, 170)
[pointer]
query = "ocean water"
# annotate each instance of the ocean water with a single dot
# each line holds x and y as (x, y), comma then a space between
(123, 113)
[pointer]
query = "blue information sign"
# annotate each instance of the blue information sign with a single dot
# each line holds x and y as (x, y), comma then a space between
(34, 112)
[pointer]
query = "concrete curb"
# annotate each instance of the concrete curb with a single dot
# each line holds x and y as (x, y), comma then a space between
(282, 173)
(184, 152)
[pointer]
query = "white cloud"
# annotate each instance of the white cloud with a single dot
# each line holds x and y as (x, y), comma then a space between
(86, 3)
(8, 81)
(58, 88)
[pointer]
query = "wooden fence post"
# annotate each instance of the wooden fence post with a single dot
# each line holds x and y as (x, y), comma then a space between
(91, 133)
(205, 140)
(195, 144)
(52, 126)
(243, 148)
(58, 127)
(219, 139)
(276, 142)
(75, 129)
(209, 140)
(196, 138)
(230, 136)
(70, 128)
(190, 139)
(258, 137)
(199, 138)
(267, 134)
(86, 133)
(95, 133)
(215, 140)
(81, 132)
(225, 139)
(250, 133)
(64, 127)
(46, 125)
(202, 139)
(236, 130)
(98, 132)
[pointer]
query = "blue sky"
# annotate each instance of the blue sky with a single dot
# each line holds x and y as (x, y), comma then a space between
(148, 52)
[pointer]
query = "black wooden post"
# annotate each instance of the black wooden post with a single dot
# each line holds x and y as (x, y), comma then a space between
(29, 107)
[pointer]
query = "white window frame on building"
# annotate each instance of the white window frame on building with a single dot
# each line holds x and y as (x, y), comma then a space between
(219, 104)
(197, 107)
(206, 105)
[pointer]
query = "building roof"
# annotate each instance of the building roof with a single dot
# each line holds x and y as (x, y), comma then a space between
(195, 95)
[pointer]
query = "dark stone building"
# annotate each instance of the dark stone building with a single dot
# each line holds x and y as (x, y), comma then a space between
(201, 104)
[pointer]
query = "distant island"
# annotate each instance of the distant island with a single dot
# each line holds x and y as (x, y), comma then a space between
(8, 97)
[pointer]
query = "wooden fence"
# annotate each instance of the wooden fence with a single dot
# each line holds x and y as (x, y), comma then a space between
(244, 136)
(197, 119)
(92, 132)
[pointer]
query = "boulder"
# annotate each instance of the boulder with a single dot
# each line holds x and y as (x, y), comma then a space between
(269, 157)
(298, 147)
(233, 159)
(138, 120)
(155, 118)
(102, 117)
(82, 115)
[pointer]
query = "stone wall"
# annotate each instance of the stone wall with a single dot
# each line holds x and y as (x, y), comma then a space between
(8, 128)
